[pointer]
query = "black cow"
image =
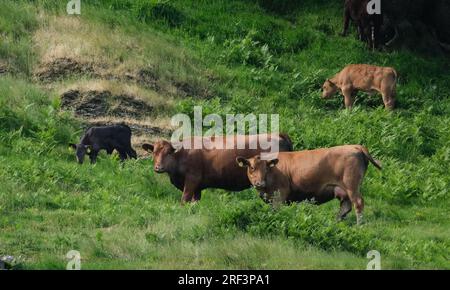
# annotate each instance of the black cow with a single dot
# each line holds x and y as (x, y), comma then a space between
(369, 25)
(106, 137)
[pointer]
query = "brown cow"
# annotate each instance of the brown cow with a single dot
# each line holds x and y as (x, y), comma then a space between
(192, 170)
(363, 77)
(321, 175)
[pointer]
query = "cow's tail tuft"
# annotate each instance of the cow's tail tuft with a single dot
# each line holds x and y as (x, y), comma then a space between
(369, 157)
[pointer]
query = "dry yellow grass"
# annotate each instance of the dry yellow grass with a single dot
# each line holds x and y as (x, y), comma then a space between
(113, 53)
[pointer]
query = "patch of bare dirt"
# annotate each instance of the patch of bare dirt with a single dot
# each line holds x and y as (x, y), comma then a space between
(60, 68)
(148, 78)
(94, 104)
(64, 67)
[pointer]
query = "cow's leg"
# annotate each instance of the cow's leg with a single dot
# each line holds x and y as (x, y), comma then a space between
(109, 150)
(351, 183)
(345, 203)
(122, 154)
(377, 35)
(191, 185)
(129, 149)
(388, 94)
(93, 156)
(345, 208)
(388, 102)
(284, 192)
(132, 153)
(197, 196)
(348, 99)
(360, 32)
(393, 97)
(187, 195)
(346, 22)
(372, 38)
(358, 203)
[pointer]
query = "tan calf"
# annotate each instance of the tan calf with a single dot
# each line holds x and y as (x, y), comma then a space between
(320, 175)
(363, 77)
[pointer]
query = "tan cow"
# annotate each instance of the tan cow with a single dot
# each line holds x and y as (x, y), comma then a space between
(192, 170)
(320, 175)
(363, 77)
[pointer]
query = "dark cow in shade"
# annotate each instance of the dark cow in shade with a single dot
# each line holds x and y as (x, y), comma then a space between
(112, 137)
(192, 170)
(369, 25)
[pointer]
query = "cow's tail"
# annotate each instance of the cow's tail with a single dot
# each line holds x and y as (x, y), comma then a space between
(369, 157)
(288, 140)
(395, 74)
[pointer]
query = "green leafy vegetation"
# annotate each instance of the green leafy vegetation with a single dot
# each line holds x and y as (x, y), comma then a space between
(228, 57)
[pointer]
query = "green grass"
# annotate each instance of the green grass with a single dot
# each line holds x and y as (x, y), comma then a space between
(16, 23)
(254, 60)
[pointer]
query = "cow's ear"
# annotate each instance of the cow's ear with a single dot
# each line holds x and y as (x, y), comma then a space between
(73, 146)
(272, 162)
(242, 162)
(147, 147)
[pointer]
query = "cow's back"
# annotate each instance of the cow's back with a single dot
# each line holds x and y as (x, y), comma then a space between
(309, 170)
(366, 77)
(217, 168)
(107, 135)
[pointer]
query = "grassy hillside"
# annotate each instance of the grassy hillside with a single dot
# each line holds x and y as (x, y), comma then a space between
(60, 73)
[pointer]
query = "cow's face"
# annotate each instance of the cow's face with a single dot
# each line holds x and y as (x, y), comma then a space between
(257, 170)
(163, 156)
(80, 151)
(328, 89)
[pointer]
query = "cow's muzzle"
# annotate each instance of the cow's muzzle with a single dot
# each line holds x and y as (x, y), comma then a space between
(260, 184)
(159, 169)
